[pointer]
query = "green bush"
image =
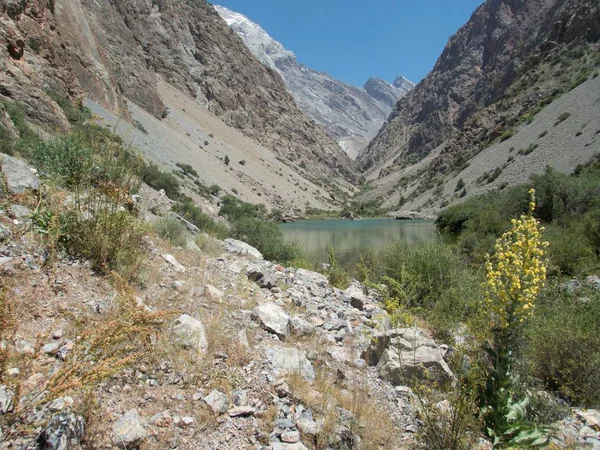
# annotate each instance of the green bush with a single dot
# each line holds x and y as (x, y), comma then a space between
(157, 179)
(172, 230)
(563, 345)
(267, 238)
(234, 209)
(205, 223)
(338, 276)
(76, 114)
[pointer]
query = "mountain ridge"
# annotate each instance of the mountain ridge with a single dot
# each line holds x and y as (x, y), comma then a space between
(349, 113)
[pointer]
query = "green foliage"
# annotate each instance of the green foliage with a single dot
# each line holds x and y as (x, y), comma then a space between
(140, 126)
(157, 179)
(76, 114)
(563, 344)
(267, 238)
(507, 134)
(338, 276)
(100, 224)
(205, 223)
(187, 170)
(568, 205)
(432, 280)
(564, 116)
(226, 160)
(234, 209)
(27, 136)
(242, 162)
(172, 230)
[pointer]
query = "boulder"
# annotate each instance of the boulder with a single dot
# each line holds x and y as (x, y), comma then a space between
(174, 263)
(301, 327)
(19, 176)
(242, 249)
(217, 401)
(406, 354)
(63, 432)
(190, 333)
(128, 431)
(288, 360)
(307, 278)
(272, 318)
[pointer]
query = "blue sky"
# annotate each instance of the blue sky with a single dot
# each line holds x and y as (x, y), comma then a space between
(353, 40)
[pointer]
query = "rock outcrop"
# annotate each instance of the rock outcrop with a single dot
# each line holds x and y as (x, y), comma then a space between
(118, 50)
(493, 72)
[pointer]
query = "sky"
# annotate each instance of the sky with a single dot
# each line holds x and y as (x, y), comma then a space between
(353, 40)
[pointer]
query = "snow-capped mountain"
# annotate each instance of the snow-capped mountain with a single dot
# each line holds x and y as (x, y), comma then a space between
(350, 114)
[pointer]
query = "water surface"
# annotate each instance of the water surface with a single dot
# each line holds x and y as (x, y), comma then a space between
(349, 237)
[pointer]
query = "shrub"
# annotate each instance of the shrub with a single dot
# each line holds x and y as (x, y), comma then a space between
(172, 230)
(157, 179)
(76, 114)
(205, 223)
(459, 185)
(235, 209)
(564, 116)
(140, 126)
(111, 240)
(243, 162)
(338, 276)
(507, 134)
(187, 170)
(226, 160)
(563, 345)
(267, 238)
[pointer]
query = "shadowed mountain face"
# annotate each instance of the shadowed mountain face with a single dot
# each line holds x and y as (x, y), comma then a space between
(117, 50)
(479, 65)
(347, 112)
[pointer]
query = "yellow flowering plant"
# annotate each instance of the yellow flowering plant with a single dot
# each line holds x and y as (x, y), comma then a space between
(515, 275)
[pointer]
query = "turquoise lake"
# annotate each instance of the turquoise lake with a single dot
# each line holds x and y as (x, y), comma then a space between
(349, 237)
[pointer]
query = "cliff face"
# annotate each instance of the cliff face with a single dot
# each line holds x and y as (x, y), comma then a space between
(478, 67)
(347, 112)
(116, 50)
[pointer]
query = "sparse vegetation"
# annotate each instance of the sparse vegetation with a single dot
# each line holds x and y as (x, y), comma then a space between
(564, 116)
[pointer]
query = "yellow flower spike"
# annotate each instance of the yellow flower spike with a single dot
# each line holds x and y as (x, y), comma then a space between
(517, 271)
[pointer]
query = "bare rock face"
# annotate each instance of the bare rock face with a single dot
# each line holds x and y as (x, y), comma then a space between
(185, 43)
(479, 65)
(117, 50)
(345, 111)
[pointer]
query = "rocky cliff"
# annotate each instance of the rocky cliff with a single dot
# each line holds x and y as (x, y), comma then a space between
(347, 112)
(503, 42)
(118, 50)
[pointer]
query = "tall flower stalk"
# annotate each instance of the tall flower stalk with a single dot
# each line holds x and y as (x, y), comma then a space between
(515, 275)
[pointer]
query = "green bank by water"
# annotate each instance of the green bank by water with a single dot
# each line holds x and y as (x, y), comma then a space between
(349, 238)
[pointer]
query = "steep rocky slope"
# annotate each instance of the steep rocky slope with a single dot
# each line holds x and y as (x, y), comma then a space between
(346, 111)
(117, 51)
(506, 64)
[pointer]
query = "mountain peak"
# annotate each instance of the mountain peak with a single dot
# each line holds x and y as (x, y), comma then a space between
(403, 83)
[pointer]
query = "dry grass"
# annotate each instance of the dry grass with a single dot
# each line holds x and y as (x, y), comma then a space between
(327, 393)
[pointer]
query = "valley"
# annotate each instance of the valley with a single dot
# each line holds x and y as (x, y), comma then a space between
(207, 244)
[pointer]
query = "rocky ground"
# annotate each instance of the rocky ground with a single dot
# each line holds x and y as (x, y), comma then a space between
(243, 353)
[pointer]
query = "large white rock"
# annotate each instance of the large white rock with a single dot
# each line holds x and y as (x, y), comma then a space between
(405, 355)
(272, 318)
(128, 430)
(19, 176)
(190, 333)
(217, 401)
(242, 249)
(308, 278)
(288, 360)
